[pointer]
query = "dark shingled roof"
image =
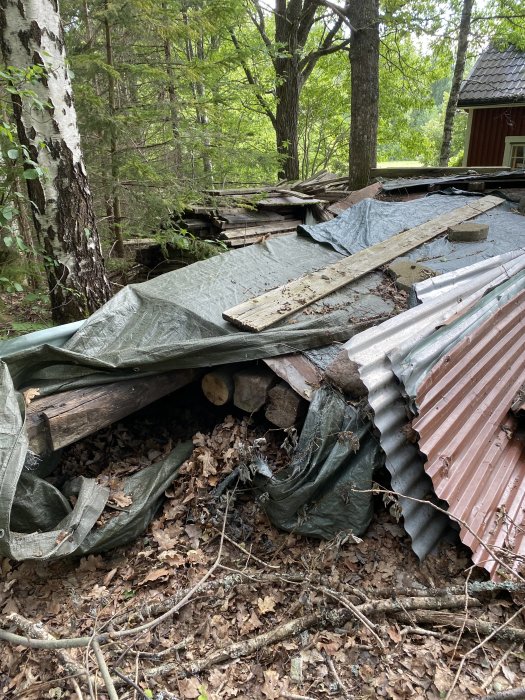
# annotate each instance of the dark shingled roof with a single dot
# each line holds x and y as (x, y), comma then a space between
(497, 78)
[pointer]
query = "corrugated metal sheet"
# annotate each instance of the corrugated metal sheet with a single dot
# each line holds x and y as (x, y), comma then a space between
(370, 350)
(489, 128)
(475, 456)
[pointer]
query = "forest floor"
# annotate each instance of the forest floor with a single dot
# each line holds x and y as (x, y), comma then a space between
(221, 604)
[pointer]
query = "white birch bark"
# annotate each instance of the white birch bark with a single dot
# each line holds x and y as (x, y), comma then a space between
(31, 34)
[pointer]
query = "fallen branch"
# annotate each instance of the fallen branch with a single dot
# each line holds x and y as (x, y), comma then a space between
(106, 677)
(332, 618)
(457, 621)
(513, 694)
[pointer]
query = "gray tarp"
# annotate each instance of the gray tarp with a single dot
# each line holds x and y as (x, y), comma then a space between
(372, 221)
(175, 321)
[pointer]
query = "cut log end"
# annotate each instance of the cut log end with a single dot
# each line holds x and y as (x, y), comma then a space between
(217, 387)
(285, 408)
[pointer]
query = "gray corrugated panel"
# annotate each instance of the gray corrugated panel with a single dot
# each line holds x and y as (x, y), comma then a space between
(475, 456)
(497, 77)
(504, 266)
(370, 350)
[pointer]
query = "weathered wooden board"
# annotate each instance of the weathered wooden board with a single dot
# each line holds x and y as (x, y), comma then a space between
(56, 421)
(250, 240)
(354, 198)
(245, 217)
(263, 311)
(261, 230)
(298, 371)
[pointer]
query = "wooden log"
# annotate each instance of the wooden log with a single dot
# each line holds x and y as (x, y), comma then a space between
(284, 407)
(217, 386)
(55, 421)
(264, 311)
(251, 388)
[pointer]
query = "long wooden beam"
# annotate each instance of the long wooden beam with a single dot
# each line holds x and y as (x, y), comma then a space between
(60, 419)
(264, 311)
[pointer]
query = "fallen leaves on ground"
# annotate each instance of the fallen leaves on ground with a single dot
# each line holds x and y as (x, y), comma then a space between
(281, 578)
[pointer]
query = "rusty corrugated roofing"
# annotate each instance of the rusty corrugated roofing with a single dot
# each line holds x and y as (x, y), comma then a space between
(475, 452)
(498, 77)
(442, 298)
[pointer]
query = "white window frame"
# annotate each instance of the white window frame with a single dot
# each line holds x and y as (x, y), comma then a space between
(509, 142)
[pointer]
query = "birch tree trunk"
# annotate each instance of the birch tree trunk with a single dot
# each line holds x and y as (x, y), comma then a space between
(31, 34)
(364, 113)
(459, 69)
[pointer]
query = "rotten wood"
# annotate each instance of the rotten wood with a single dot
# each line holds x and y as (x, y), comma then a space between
(59, 420)
(264, 311)
(285, 407)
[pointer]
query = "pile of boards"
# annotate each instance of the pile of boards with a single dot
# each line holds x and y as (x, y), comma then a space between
(242, 217)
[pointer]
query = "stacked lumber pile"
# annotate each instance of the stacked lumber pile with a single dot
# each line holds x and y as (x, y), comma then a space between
(240, 217)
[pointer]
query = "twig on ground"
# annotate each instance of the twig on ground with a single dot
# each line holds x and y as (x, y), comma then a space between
(101, 661)
(473, 625)
(427, 633)
(497, 667)
(249, 554)
(358, 614)
(133, 684)
(332, 618)
(479, 646)
(333, 671)
(38, 631)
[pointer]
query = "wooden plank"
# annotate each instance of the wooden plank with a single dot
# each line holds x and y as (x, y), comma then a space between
(56, 421)
(251, 240)
(297, 371)
(246, 217)
(264, 311)
(355, 197)
(434, 172)
(262, 230)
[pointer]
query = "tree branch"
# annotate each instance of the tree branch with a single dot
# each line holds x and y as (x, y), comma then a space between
(251, 79)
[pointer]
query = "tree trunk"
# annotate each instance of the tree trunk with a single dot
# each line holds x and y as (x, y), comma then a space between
(459, 68)
(288, 87)
(364, 63)
(62, 207)
(116, 223)
(173, 101)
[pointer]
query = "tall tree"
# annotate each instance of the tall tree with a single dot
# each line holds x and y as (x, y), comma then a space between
(31, 34)
(459, 69)
(293, 63)
(364, 68)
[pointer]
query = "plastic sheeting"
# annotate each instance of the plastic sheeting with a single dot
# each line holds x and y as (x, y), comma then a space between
(372, 221)
(174, 321)
(317, 494)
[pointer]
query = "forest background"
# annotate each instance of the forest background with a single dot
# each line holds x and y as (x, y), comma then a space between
(176, 96)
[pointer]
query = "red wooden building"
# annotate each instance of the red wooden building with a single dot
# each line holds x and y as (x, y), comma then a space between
(494, 97)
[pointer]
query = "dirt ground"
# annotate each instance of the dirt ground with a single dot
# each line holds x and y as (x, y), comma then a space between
(233, 608)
